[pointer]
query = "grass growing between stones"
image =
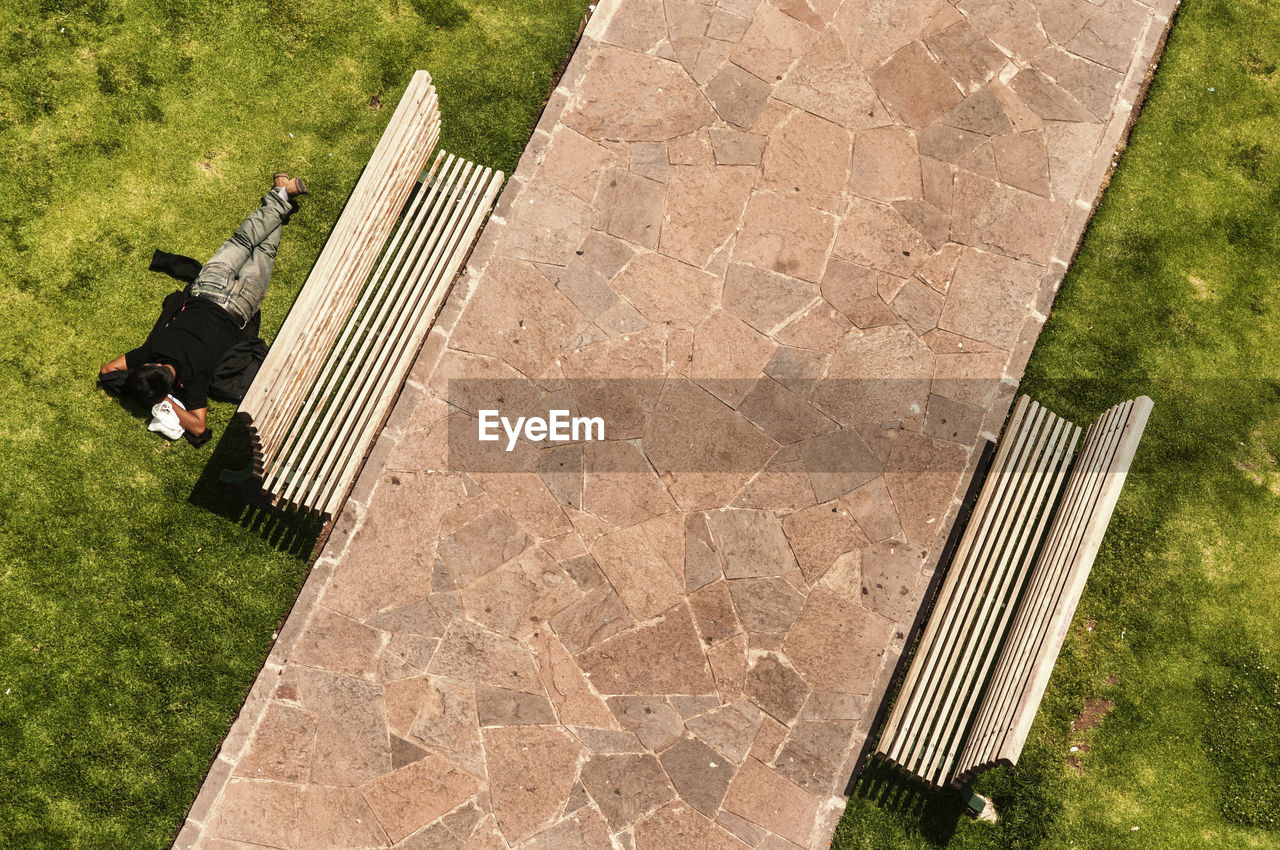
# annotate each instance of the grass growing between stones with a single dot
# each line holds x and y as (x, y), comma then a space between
(1173, 653)
(136, 603)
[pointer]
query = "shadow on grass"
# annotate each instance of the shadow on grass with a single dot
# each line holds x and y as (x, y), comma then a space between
(929, 813)
(285, 531)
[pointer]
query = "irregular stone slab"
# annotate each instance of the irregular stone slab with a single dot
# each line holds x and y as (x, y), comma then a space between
(827, 624)
(561, 471)
(877, 236)
(726, 354)
(575, 163)
(838, 462)
(703, 205)
(1066, 166)
(617, 380)
(337, 643)
(608, 741)
(872, 508)
(677, 827)
(1109, 36)
(501, 707)
(480, 545)
(820, 534)
(728, 660)
(625, 787)
(733, 147)
(281, 747)
(930, 221)
(921, 475)
(351, 745)
(527, 590)
(531, 773)
(645, 564)
(664, 289)
(766, 605)
(404, 751)
(638, 26)
(583, 829)
(447, 722)
(1046, 99)
(651, 718)
(772, 42)
(417, 794)
(1094, 85)
(764, 797)
(662, 658)
(631, 207)
(336, 817)
(713, 612)
(595, 617)
(914, 86)
(621, 488)
(730, 729)
(257, 811)
(979, 113)
(807, 155)
(738, 97)
(951, 420)
(786, 235)
(1013, 25)
(544, 240)
(878, 375)
(1004, 219)
(575, 703)
(891, 571)
(475, 654)
(750, 543)
(854, 291)
(966, 53)
(886, 164)
(526, 321)
(918, 305)
(813, 755)
(627, 96)
(987, 295)
(828, 83)
(764, 299)
(782, 414)
(777, 688)
(799, 369)
(1023, 161)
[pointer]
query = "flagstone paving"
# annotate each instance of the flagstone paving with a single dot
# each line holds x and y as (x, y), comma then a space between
(821, 236)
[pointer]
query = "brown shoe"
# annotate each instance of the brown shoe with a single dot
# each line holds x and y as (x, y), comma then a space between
(293, 185)
(279, 179)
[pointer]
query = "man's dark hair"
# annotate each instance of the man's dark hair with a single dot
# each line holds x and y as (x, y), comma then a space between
(149, 383)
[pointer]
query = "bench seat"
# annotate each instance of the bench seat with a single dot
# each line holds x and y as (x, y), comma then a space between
(346, 347)
(1003, 609)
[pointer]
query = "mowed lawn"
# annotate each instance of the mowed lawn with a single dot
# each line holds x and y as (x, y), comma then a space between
(136, 603)
(1176, 645)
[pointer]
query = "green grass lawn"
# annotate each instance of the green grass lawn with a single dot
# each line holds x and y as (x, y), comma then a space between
(1174, 295)
(136, 603)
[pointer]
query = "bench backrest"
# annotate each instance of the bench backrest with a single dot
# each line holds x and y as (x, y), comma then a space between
(349, 341)
(1002, 601)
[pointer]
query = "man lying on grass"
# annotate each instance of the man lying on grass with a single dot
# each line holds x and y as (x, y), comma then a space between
(177, 361)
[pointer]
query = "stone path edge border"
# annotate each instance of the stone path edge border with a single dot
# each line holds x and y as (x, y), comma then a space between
(351, 516)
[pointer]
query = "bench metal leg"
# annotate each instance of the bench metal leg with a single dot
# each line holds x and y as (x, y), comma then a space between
(976, 802)
(236, 476)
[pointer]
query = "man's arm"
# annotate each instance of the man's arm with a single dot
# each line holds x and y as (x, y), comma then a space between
(191, 420)
(117, 365)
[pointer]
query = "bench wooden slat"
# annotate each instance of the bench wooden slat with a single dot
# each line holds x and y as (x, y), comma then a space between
(357, 409)
(1046, 614)
(344, 262)
(334, 381)
(463, 237)
(991, 565)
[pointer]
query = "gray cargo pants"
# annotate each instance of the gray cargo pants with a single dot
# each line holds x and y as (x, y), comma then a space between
(238, 274)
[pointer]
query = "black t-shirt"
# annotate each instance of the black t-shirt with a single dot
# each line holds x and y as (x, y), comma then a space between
(193, 344)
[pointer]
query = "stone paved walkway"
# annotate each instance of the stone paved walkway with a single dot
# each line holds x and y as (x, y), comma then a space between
(676, 657)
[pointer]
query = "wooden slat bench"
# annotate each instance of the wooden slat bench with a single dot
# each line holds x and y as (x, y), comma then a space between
(349, 341)
(1003, 609)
